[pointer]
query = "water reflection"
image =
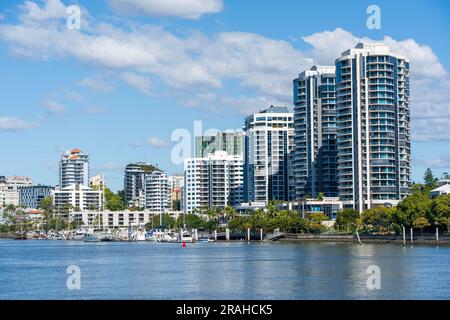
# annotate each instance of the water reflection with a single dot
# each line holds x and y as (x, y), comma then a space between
(37, 270)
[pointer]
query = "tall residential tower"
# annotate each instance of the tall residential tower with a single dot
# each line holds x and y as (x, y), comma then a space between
(214, 181)
(268, 155)
(74, 168)
(315, 155)
(373, 134)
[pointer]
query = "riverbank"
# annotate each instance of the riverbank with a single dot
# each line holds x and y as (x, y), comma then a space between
(6, 235)
(444, 240)
(417, 239)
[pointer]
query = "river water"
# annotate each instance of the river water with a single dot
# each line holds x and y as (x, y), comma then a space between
(37, 269)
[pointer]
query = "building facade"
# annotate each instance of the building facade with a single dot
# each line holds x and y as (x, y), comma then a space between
(176, 186)
(97, 182)
(229, 141)
(9, 195)
(134, 183)
(73, 168)
(329, 206)
(215, 181)
(32, 196)
(117, 219)
(79, 197)
(9, 189)
(373, 126)
(315, 155)
(268, 156)
(158, 192)
(18, 181)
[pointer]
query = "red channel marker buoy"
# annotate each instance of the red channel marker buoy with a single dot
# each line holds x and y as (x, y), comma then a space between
(183, 245)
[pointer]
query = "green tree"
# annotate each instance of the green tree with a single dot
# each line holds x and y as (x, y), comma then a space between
(381, 218)
(318, 217)
(176, 205)
(347, 219)
(114, 202)
(192, 221)
(429, 179)
(421, 222)
(440, 209)
(415, 206)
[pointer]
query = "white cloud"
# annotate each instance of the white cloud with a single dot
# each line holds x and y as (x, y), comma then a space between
(430, 83)
(157, 143)
(97, 83)
(328, 45)
(138, 82)
(226, 71)
(14, 124)
(53, 106)
(188, 9)
(53, 9)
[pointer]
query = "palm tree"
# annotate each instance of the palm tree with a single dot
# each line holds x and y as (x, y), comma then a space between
(230, 212)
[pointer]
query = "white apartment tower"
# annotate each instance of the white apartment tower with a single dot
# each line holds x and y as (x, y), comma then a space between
(213, 181)
(73, 168)
(268, 156)
(157, 192)
(315, 162)
(373, 126)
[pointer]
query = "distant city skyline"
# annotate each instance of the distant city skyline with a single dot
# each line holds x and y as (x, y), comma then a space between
(161, 71)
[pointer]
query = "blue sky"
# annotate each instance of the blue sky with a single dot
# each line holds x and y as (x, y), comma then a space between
(138, 70)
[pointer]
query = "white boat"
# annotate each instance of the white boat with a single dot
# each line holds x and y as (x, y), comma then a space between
(166, 236)
(150, 236)
(77, 236)
(186, 236)
(105, 236)
(140, 235)
(91, 237)
(204, 239)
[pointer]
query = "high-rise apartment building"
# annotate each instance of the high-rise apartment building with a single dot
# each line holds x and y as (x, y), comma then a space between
(268, 155)
(73, 168)
(157, 192)
(134, 183)
(214, 181)
(315, 155)
(373, 126)
(229, 141)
